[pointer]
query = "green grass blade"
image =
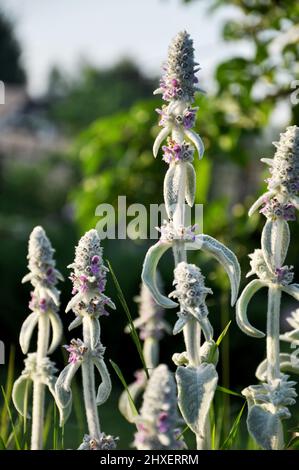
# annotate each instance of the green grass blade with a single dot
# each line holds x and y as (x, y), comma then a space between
(10, 419)
(233, 432)
(55, 430)
(2, 445)
(223, 334)
(228, 392)
(132, 328)
(124, 383)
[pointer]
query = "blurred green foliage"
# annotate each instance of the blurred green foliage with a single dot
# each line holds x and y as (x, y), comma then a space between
(11, 70)
(77, 101)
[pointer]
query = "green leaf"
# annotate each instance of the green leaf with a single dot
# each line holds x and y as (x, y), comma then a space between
(233, 432)
(124, 383)
(133, 331)
(223, 334)
(228, 391)
(2, 445)
(17, 442)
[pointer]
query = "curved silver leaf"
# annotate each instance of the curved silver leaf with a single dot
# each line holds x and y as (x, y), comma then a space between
(292, 289)
(20, 387)
(63, 391)
(27, 330)
(196, 140)
(135, 389)
(159, 139)
(57, 331)
(151, 261)
(271, 230)
(196, 388)
(171, 189)
(288, 363)
(105, 387)
(241, 308)
(65, 412)
(77, 322)
(190, 184)
(259, 202)
(225, 256)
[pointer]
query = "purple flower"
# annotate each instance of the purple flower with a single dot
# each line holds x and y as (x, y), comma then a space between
(163, 424)
(76, 349)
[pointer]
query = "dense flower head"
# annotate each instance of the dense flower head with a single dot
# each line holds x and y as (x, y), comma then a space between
(178, 81)
(43, 275)
(292, 336)
(105, 442)
(284, 167)
(157, 423)
(273, 210)
(170, 232)
(45, 369)
(89, 277)
(190, 288)
(282, 275)
(76, 349)
(174, 152)
(177, 116)
(276, 394)
(150, 321)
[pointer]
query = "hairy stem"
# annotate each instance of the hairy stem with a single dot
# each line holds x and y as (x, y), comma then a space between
(273, 328)
(38, 410)
(89, 387)
(151, 353)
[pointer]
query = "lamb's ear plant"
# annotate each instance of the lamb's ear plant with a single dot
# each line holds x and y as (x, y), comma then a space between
(157, 424)
(268, 402)
(39, 369)
(196, 373)
(88, 304)
(152, 326)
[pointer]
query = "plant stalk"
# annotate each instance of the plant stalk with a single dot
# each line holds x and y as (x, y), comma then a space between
(89, 393)
(38, 410)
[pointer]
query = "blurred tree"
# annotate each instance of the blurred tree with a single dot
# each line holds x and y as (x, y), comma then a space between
(76, 102)
(11, 70)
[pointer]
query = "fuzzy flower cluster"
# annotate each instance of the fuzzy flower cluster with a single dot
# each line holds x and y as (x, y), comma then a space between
(190, 288)
(157, 423)
(43, 275)
(170, 232)
(105, 442)
(178, 81)
(273, 210)
(177, 117)
(151, 321)
(44, 370)
(277, 394)
(283, 275)
(89, 278)
(292, 336)
(76, 350)
(174, 152)
(284, 167)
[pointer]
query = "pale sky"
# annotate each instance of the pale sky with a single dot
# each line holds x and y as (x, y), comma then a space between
(61, 32)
